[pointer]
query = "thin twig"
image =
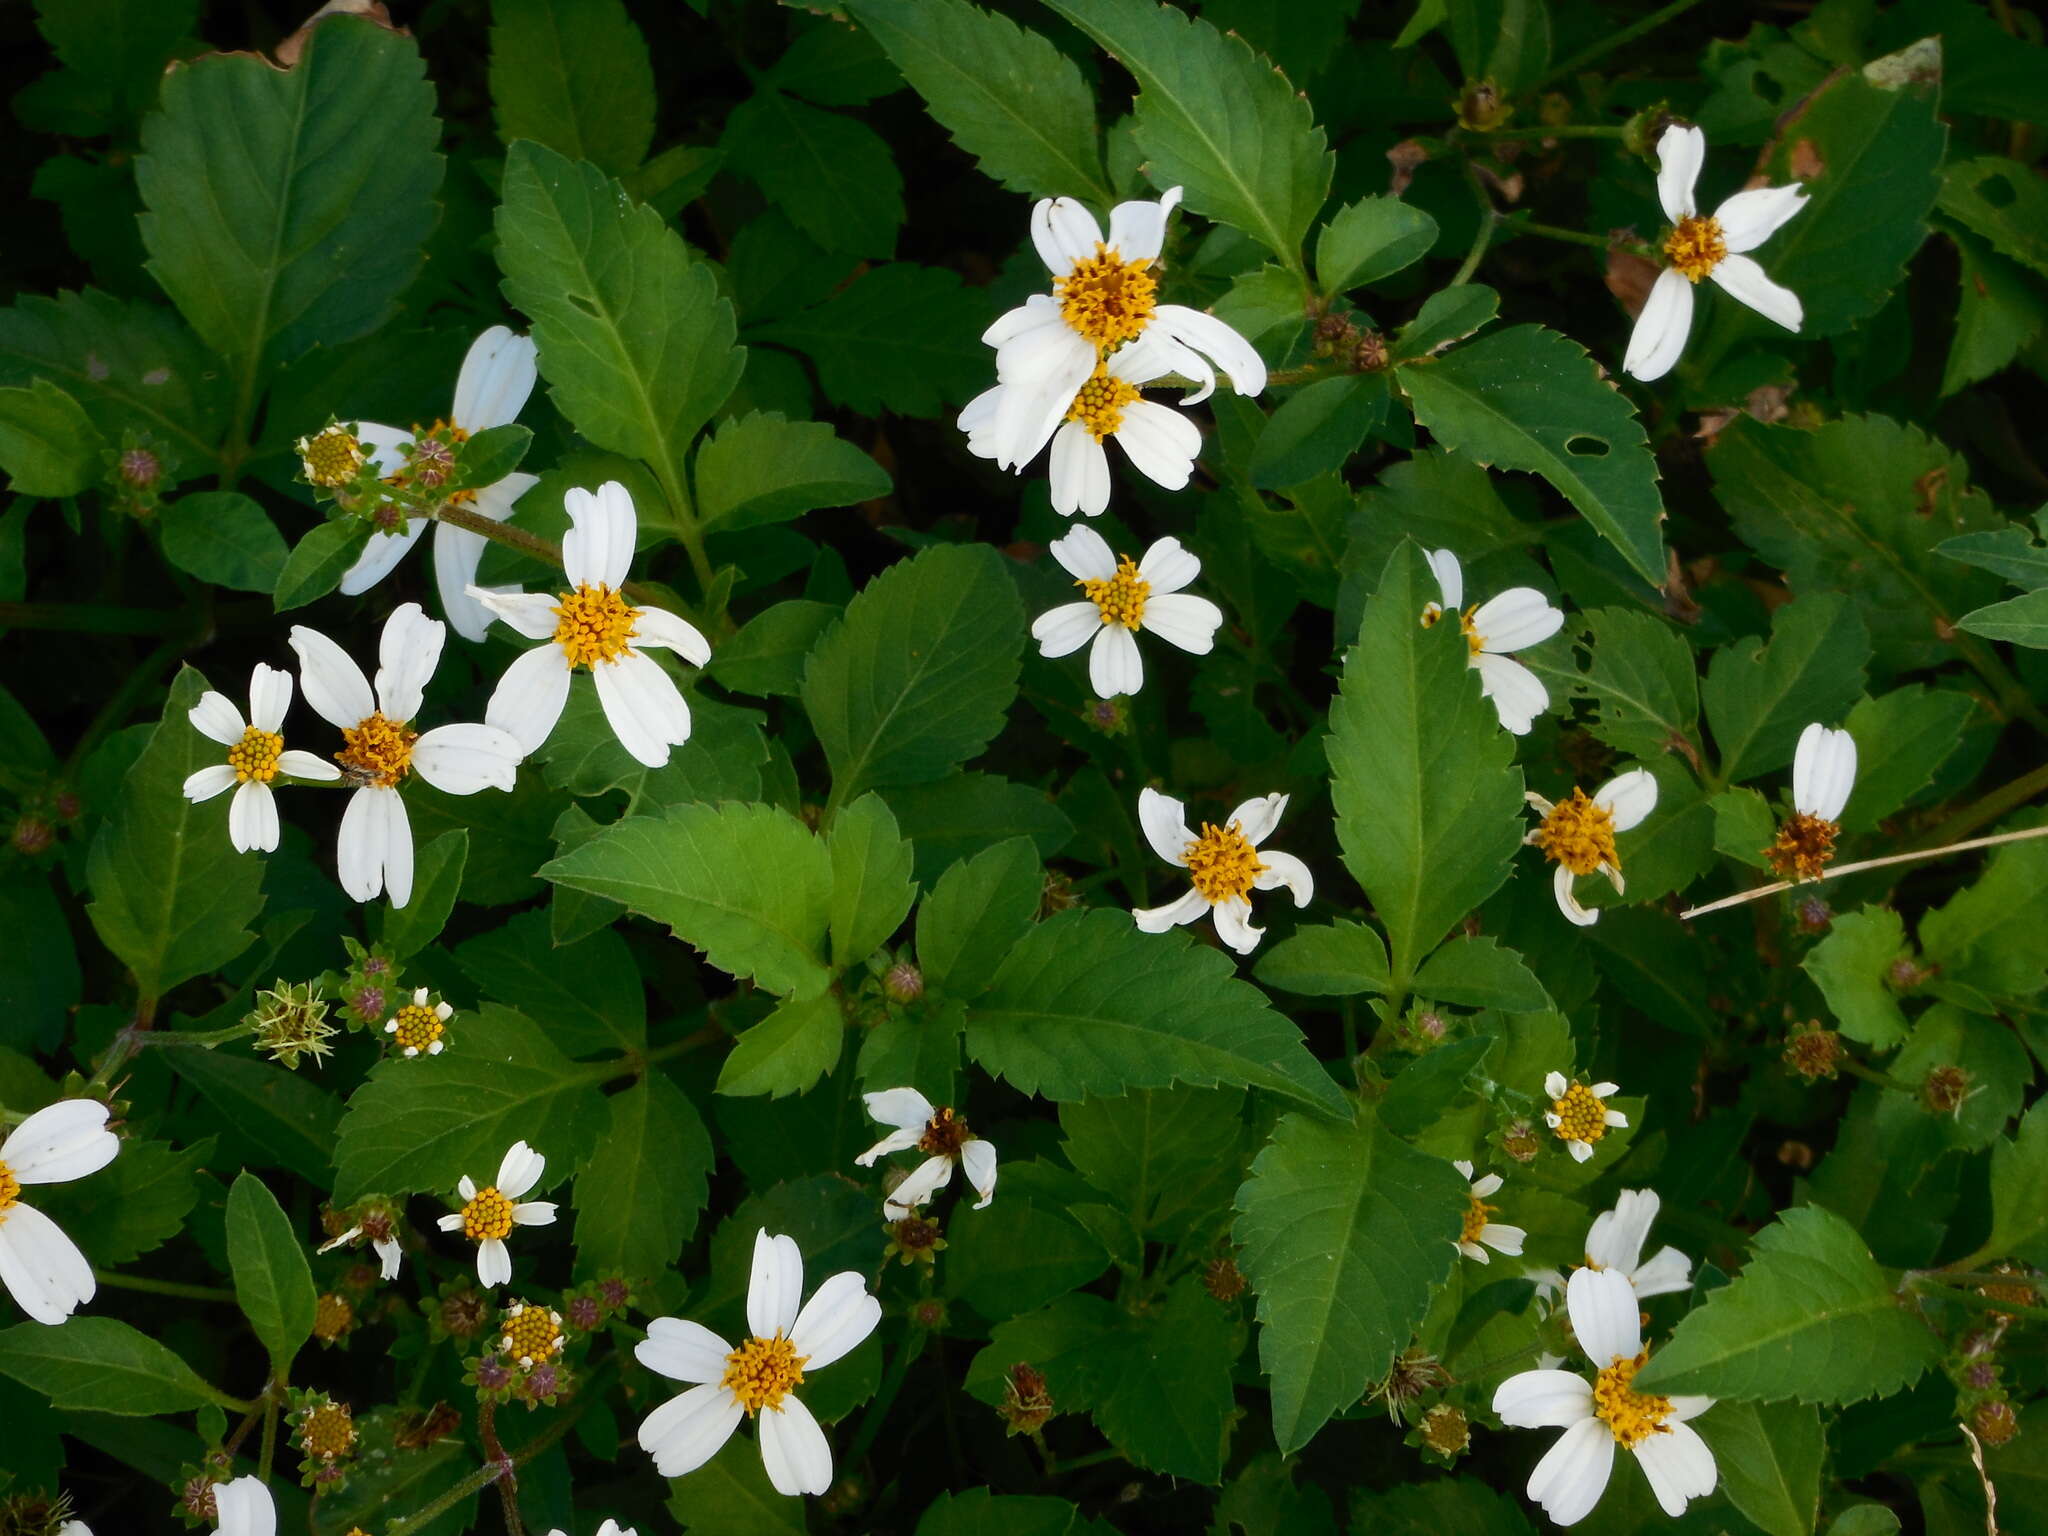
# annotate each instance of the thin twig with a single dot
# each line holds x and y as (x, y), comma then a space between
(1856, 869)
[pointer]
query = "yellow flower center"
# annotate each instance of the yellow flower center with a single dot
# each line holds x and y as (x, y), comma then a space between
(761, 1372)
(1579, 834)
(1474, 641)
(10, 1190)
(331, 457)
(255, 756)
(1223, 863)
(1107, 299)
(377, 751)
(1477, 1214)
(594, 626)
(945, 1136)
(418, 1027)
(1695, 247)
(1580, 1115)
(532, 1334)
(1120, 598)
(329, 1431)
(1632, 1416)
(332, 1316)
(1803, 847)
(1100, 405)
(489, 1215)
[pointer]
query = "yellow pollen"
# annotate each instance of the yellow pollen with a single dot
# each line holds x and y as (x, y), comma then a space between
(1223, 863)
(1632, 1416)
(10, 1189)
(1100, 405)
(255, 756)
(1580, 1116)
(1477, 1214)
(377, 751)
(331, 457)
(595, 625)
(418, 1027)
(945, 1136)
(761, 1372)
(532, 1334)
(489, 1215)
(1474, 641)
(1579, 834)
(1107, 299)
(1120, 598)
(1803, 847)
(1695, 247)
(328, 1431)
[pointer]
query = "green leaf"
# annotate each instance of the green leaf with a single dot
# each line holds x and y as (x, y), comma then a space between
(1464, 1505)
(2009, 549)
(1448, 315)
(978, 1512)
(1216, 118)
(2000, 311)
(318, 562)
(900, 339)
(1902, 739)
(224, 538)
(1759, 698)
(1989, 935)
(1852, 967)
(104, 1366)
(49, 447)
(761, 468)
(831, 174)
(767, 655)
(871, 885)
(731, 1496)
(962, 815)
(635, 343)
(1769, 1455)
(788, 1051)
(587, 995)
(1026, 1249)
(1317, 428)
(285, 209)
(1418, 1098)
(1427, 797)
(1642, 682)
(1811, 1317)
(1167, 1401)
(1372, 238)
(1163, 1156)
(40, 982)
(1504, 42)
(2020, 620)
(1087, 1004)
(2019, 1190)
(119, 46)
(437, 876)
(273, 1281)
(975, 915)
(638, 1198)
(492, 454)
(1743, 826)
(573, 75)
(1345, 1231)
(917, 677)
(135, 1204)
(1007, 96)
(2004, 202)
(918, 1047)
(1527, 398)
(750, 885)
(272, 1117)
(170, 896)
(1340, 960)
(1479, 973)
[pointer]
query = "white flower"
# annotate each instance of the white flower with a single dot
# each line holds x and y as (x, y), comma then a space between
(1707, 247)
(944, 1139)
(1124, 598)
(381, 749)
(1578, 834)
(609, 1528)
(488, 1215)
(1596, 1416)
(1579, 1114)
(74, 1528)
(1823, 773)
(244, 1507)
(390, 1256)
(419, 1027)
(1226, 865)
(497, 376)
(256, 756)
(1478, 1228)
(593, 627)
(42, 1269)
(1513, 621)
(757, 1378)
(1616, 1242)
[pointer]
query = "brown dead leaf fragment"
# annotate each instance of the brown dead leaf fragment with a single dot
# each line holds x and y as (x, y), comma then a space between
(1805, 162)
(1629, 277)
(1927, 490)
(289, 50)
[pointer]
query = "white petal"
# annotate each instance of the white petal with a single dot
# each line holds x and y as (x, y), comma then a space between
(252, 819)
(333, 684)
(533, 1213)
(245, 1508)
(900, 1140)
(1190, 906)
(1064, 232)
(835, 1320)
(1581, 1151)
(307, 765)
(1059, 632)
(390, 1257)
(463, 759)
(1234, 926)
(1137, 229)
(1182, 619)
(597, 551)
(794, 1449)
(1083, 553)
(1518, 694)
(904, 1108)
(1450, 577)
(1114, 665)
(497, 375)
(1156, 354)
(1629, 797)
(1036, 313)
(645, 708)
(1168, 567)
(530, 697)
(466, 1187)
(42, 1269)
(1256, 818)
(407, 653)
(1685, 1407)
(1678, 1465)
(1503, 1239)
(532, 614)
(1543, 1400)
(1743, 280)
(60, 1142)
(1823, 772)
(682, 1350)
(380, 557)
(922, 1182)
(456, 553)
(776, 1285)
(1573, 1473)
(1615, 1240)
(1568, 901)
(396, 827)
(689, 1429)
(1750, 218)
(216, 718)
(1217, 342)
(1078, 474)
(359, 848)
(384, 446)
(1285, 869)
(664, 631)
(1602, 1305)
(978, 1166)
(1555, 1085)
(1680, 154)
(1668, 1272)
(1659, 336)
(1516, 619)
(1161, 442)
(1165, 823)
(496, 501)
(270, 695)
(1045, 370)
(519, 1170)
(214, 779)
(493, 1262)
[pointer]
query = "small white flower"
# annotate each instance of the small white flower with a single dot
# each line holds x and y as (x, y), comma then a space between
(1597, 1416)
(1478, 1227)
(609, 1528)
(1707, 247)
(1123, 598)
(1513, 621)
(488, 1215)
(381, 750)
(42, 1269)
(244, 1507)
(256, 756)
(419, 1026)
(390, 1256)
(756, 1379)
(944, 1139)
(1577, 834)
(1225, 863)
(1823, 773)
(1579, 1114)
(497, 375)
(74, 1528)
(1616, 1242)
(593, 627)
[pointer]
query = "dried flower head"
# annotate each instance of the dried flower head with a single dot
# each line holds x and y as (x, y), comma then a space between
(1812, 1052)
(1026, 1403)
(290, 1022)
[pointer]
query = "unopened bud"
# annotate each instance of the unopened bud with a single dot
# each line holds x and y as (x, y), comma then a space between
(1370, 355)
(1026, 1403)
(1995, 1422)
(32, 835)
(1223, 1279)
(1518, 1139)
(904, 982)
(140, 469)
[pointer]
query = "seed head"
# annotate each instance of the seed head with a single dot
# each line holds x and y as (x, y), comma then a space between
(290, 1022)
(1445, 1430)
(1944, 1090)
(1812, 1052)
(1519, 1140)
(1026, 1403)
(1222, 1279)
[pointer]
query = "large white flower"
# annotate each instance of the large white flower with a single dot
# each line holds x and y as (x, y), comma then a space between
(1479, 1227)
(1823, 773)
(244, 1507)
(1579, 1114)
(1577, 834)
(594, 627)
(944, 1139)
(1512, 621)
(1225, 864)
(42, 1269)
(381, 750)
(1123, 598)
(1616, 1242)
(488, 1215)
(757, 1379)
(1597, 1416)
(497, 375)
(256, 756)
(1707, 247)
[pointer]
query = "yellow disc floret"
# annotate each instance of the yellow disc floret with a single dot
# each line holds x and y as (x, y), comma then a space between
(489, 1215)
(594, 625)
(1695, 247)
(1580, 1115)
(1223, 863)
(1100, 404)
(1477, 1214)
(328, 1432)
(1632, 1416)
(532, 1334)
(1107, 299)
(377, 751)
(1803, 847)
(1120, 598)
(761, 1372)
(331, 457)
(255, 756)
(416, 1027)
(944, 1136)
(10, 1189)
(1579, 834)
(332, 1317)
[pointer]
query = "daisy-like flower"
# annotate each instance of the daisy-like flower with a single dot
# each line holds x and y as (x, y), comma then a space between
(944, 1139)
(244, 1507)
(594, 627)
(488, 1215)
(1579, 1114)
(381, 749)
(1577, 834)
(418, 1026)
(379, 1225)
(1225, 865)
(1513, 621)
(1616, 1243)
(1597, 1416)
(1713, 247)
(1123, 598)
(497, 376)
(1823, 773)
(1480, 1228)
(757, 1380)
(42, 1269)
(256, 757)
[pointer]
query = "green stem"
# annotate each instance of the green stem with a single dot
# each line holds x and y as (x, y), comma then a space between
(1927, 1286)
(1568, 236)
(263, 1462)
(1614, 40)
(537, 548)
(1562, 131)
(204, 1039)
(93, 618)
(1992, 807)
(1092, 1459)
(1855, 1068)
(184, 1292)
(1483, 236)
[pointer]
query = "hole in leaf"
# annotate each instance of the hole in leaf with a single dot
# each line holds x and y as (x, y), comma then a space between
(1770, 89)
(1584, 447)
(1997, 191)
